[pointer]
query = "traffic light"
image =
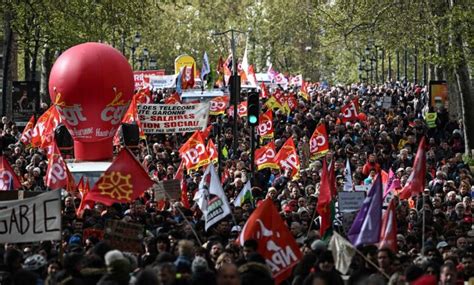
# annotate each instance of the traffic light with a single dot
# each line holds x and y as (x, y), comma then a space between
(234, 88)
(253, 108)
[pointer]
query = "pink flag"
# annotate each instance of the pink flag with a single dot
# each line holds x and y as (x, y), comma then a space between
(393, 183)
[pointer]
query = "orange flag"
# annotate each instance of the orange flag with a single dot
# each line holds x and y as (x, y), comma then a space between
(288, 159)
(212, 150)
(194, 152)
(265, 157)
(218, 105)
(25, 137)
(131, 116)
(319, 143)
(42, 134)
(124, 181)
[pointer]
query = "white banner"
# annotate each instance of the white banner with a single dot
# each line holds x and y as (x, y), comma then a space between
(30, 220)
(173, 118)
(163, 81)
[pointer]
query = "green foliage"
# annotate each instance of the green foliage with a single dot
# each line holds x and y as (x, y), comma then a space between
(323, 40)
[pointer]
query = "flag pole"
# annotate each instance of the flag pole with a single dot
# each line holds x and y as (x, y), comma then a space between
(423, 225)
(371, 263)
(184, 217)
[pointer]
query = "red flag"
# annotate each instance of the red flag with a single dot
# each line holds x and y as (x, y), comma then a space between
(220, 72)
(57, 174)
(25, 137)
(194, 152)
(218, 105)
(263, 91)
(265, 125)
(332, 178)
(287, 158)
(416, 181)
(388, 233)
(242, 110)
(80, 187)
(349, 111)
(275, 242)
(8, 178)
(324, 200)
(144, 96)
(319, 143)
(131, 116)
(206, 132)
(265, 157)
(212, 150)
(173, 99)
(124, 181)
(42, 134)
(84, 202)
(188, 77)
(304, 91)
(184, 185)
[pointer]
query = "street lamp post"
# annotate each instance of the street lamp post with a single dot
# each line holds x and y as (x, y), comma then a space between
(136, 43)
(152, 63)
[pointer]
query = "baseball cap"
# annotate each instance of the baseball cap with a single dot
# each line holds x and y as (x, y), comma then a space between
(442, 244)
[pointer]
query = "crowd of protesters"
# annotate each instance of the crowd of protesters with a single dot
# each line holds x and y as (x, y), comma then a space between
(385, 138)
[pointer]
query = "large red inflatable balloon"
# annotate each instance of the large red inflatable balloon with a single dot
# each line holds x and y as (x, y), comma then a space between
(91, 86)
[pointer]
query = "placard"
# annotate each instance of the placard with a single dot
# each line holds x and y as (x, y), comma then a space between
(167, 189)
(350, 201)
(91, 232)
(362, 188)
(439, 94)
(176, 118)
(124, 236)
(25, 98)
(31, 220)
(142, 78)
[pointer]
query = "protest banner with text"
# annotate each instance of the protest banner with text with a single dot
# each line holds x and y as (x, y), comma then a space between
(30, 220)
(177, 118)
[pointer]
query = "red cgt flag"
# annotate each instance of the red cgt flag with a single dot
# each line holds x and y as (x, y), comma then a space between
(287, 158)
(319, 143)
(173, 99)
(212, 150)
(42, 134)
(416, 181)
(57, 174)
(124, 181)
(349, 111)
(275, 242)
(263, 91)
(8, 178)
(194, 152)
(388, 233)
(265, 157)
(265, 125)
(218, 105)
(25, 137)
(131, 116)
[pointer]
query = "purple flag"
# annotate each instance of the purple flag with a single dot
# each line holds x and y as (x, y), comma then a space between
(366, 226)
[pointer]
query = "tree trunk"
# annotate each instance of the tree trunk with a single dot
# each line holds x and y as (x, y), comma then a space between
(7, 46)
(464, 86)
(46, 63)
(34, 57)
